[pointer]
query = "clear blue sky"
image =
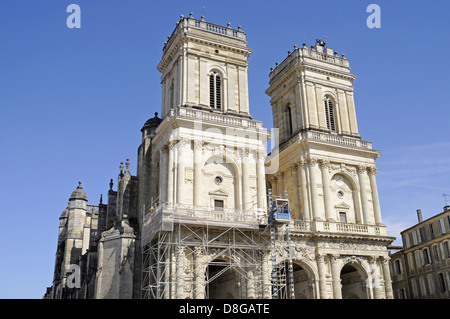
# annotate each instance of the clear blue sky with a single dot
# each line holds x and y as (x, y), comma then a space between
(73, 101)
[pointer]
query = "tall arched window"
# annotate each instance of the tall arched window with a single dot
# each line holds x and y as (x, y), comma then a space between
(215, 90)
(329, 113)
(288, 112)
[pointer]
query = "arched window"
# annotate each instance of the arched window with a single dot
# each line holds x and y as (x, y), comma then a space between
(329, 113)
(215, 90)
(289, 120)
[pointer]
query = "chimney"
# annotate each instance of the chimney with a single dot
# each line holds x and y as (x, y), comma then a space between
(419, 215)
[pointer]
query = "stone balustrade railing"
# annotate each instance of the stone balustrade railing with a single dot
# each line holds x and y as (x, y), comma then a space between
(163, 217)
(215, 118)
(327, 138)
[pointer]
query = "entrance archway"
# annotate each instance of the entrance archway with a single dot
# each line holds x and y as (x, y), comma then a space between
(303, 278)
(353, 283)
(221, 280)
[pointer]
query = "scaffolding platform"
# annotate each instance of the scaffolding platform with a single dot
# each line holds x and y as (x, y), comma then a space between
(187, 250)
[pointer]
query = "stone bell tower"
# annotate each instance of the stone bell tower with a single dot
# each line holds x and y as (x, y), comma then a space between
(207, 167)
(324, 163)
(210, 150)
(329, 172)
(204, 66)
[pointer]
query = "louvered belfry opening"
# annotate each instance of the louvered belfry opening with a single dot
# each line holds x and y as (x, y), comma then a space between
(289, 120)
(329, 112)
(215, 82)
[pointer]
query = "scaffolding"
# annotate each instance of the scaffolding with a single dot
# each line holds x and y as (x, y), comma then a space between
(279, 222)
(186, 250)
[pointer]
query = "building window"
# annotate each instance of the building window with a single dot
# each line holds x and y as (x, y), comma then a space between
(442, 225)
(422, 235)
(431, 231)
(426, 257)
(442, 282)
(329, 113)
(218, 204)
(401, 294)
(446, 249)
(436, 253)
(398, 267)
(343, 217)
(215, 91)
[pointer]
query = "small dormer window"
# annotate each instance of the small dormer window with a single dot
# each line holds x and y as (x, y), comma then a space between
(329, 113)
(215, 90)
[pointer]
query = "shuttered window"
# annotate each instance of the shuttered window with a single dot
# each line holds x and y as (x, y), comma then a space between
(442, 225)
(329, 113)
(215, 91)
(289, 120)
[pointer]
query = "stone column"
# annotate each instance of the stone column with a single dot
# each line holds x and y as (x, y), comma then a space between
(163, 168)
(180, 273)
(170, 167)
(336, 275)
(313, 186)
(166, 269)
(322, 272)
(273, 181)
(200, 268)
(266, 272)
(261, 180)
(297, 209)
(375, 199)
(329, 213)
(375, 280)
(180, 170)
(245, 181)
(198, 145)
(387, 278)
(363, 191)
(281, 189)
(251, 293)
(304, 188)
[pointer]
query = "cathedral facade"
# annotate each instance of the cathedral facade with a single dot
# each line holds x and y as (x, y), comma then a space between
(200, 218)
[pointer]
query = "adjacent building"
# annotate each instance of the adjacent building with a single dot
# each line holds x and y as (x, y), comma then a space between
(421, 270)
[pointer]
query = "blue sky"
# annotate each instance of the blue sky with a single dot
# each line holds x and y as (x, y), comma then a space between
(73, 101)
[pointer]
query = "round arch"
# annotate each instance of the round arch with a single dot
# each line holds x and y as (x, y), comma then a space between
(223, 158)
(331, 95)
(306, 279)
(348, 176)
(219, 69)
(221, 280)
(346, 202)
(354, 275)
